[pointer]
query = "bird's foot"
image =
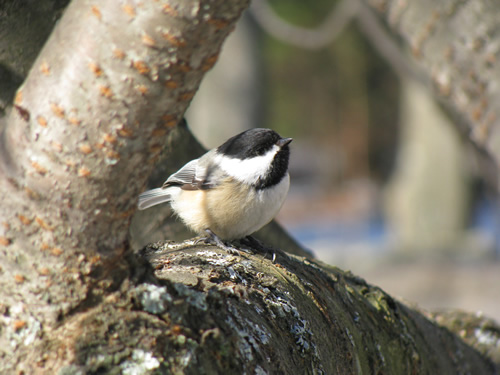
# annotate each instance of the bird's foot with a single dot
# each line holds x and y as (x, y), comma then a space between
(213, 239)
(252, 245)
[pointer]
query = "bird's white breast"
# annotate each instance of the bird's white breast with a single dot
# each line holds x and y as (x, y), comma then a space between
(262, 208)
(232, 210)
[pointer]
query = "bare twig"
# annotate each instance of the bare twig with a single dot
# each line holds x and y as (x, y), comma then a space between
(386, 45)
(303, 37)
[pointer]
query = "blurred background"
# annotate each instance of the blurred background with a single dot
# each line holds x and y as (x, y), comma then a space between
(383, 183)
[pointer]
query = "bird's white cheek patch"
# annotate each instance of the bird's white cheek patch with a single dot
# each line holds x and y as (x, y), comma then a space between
(247, 170)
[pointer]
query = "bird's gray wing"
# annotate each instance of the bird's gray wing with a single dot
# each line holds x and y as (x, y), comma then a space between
(195, 175)
(198, 174)
(185, 178)
(185, 175)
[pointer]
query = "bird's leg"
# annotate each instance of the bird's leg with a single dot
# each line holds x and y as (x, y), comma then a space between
(214, 239)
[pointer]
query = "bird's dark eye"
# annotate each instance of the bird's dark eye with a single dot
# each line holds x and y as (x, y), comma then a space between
(260, 150)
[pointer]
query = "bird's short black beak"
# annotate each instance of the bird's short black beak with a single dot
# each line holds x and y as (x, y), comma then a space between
(283, 142)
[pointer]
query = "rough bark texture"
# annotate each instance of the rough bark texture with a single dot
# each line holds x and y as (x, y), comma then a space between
(87, 125)
(205, 311)
(457, 44)
(222, 314)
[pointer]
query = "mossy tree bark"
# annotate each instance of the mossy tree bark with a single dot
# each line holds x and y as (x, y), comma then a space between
(86, 128)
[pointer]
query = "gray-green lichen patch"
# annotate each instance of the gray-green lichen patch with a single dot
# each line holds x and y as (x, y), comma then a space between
(154, 298)
(251, 334)
(487, 337)
(141, 363)
(281, 306)
(193, 297)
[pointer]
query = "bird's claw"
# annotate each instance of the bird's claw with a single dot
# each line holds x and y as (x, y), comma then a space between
(213, 239)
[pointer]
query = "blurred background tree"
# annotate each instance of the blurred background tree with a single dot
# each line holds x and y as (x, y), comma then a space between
(383, 183)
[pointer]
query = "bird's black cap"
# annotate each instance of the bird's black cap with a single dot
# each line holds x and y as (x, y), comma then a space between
(250, 143)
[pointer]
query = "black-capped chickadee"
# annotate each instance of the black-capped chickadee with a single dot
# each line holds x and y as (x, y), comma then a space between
(231, 191)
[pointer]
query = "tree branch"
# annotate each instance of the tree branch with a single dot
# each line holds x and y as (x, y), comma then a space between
(456, 45)
(291, 316)
(316, 38)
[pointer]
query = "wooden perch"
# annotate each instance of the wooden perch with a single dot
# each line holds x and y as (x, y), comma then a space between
(207, 311)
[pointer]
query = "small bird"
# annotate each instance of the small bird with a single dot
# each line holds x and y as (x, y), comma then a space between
(231, 191)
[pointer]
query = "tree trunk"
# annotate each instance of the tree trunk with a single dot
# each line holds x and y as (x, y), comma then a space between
(427, 202)
(87, 126)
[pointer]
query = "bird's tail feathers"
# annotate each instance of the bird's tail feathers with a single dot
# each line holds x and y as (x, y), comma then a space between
(153, 197)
